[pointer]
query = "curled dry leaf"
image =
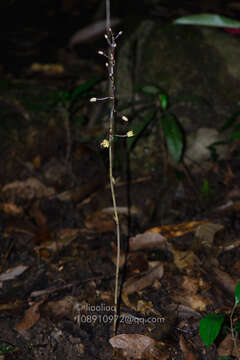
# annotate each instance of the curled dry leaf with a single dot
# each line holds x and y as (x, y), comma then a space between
(205, 234)
(134, 284)
(31, 316)
(133, 346)
(224, 280)
(27, 190)
(11, 274)
(147, 240)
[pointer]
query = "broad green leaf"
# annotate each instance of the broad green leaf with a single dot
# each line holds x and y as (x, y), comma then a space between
(173, 134)
(84, 87)
(138, 129)
(237, 293)
(210, 327)
(208, 20)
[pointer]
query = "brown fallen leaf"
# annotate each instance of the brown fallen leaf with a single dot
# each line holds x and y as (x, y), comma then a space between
(18, 304)
(133, 346)
(100, 222)
(136, 284)
(27, 190)
(37, 214)
(172, 231)
(31, 316)
(225, 348)
(204, 236)
(224, 280)
(147, 240)
(187, 353)
(43, 236)
(196, 302)
(190, 285)
(185, 260)
(81, 193)
(60, 309)
(12, 209)
(62, 239)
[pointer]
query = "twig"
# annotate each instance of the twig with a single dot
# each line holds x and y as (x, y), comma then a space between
(234, 338)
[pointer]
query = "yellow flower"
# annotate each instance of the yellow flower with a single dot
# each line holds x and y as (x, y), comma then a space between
(130, 133)
(105, 143)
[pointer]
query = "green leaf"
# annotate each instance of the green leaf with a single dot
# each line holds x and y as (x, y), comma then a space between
(235, 135)
(210, 327)
(208, 20)
(225, 358)
(150, 89)
(237, 293)
(84, 87)
(164, 101)
(138, 129)
(173, 134)
(206, 189)
(230, 120)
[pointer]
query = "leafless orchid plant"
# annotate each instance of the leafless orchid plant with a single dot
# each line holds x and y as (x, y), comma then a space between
(108, 143)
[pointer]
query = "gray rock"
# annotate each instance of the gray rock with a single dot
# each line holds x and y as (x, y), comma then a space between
(198, 65)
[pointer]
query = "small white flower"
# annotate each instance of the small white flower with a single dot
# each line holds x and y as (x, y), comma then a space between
(100, 52)
(93, 99)
(124, 118)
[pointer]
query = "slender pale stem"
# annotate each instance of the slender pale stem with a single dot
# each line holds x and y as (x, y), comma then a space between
(234, 339)
(111, 57)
